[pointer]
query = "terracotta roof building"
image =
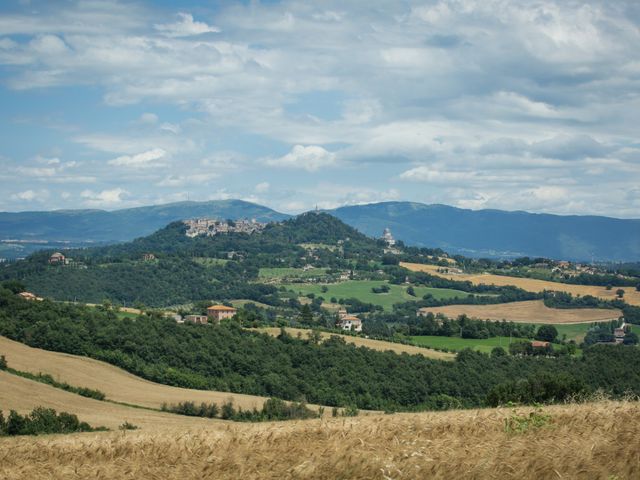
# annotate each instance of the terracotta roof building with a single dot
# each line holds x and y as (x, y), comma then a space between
(350, 323)
(216, 313)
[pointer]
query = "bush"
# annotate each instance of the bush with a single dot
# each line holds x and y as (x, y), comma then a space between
(128, 426)
(42, 421)
(498, 352)
(3, 362)
(273, 409)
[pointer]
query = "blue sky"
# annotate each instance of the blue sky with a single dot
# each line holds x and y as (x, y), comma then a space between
(473, 103)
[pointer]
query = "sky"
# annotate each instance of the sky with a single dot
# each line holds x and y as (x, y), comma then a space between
(516, 105)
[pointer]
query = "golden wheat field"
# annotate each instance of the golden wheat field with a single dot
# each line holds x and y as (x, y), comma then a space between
(631, 296)
(24, 395)
(588, 441)
(530, 311)
(369, 343)
(117, 384)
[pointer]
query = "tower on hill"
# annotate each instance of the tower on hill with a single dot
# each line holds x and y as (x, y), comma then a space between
(388, 237)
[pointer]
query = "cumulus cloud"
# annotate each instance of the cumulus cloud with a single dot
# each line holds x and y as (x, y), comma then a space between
(104, 198)
(186, 27)
(141, 160)
(187, 180)
(262, 187)
(31, 195)
(310, 158)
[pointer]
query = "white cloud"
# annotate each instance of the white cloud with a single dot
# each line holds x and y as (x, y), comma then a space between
(310, 158)
(141, 160)
(262, 187)
(104, 198)
(31, 195)
(171, 127)
(186, 27)
(186, 180)
(149, 118)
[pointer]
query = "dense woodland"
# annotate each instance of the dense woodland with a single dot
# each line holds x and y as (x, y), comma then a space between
(229, 358)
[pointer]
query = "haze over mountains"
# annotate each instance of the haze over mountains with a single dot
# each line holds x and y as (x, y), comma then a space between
(479, 233)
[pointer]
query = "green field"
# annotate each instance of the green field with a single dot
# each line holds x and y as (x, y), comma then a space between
(456, 343)
(361, 289)
(289, 272)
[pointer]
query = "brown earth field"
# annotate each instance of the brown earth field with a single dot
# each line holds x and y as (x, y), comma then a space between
(531, 311)
(585, 441)
(631, 295)
(117, 384)
(369, 343)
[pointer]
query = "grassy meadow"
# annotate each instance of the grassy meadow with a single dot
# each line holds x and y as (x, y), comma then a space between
(289, 272)
(361, 289)
(457, 343)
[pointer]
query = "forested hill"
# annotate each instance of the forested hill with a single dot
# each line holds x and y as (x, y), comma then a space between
(496, 233)
(224, 266)
(277, 237)
(122, 225)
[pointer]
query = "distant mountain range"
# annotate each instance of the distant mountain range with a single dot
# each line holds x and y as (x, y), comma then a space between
(499, 234)
(476, 233)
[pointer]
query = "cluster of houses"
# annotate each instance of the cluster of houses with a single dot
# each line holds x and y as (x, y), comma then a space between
(209, 228)
(215, 314)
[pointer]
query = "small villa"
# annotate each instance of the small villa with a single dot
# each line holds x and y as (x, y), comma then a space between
(350, 323)
(30, 296)
(57, 259)
(217, 313)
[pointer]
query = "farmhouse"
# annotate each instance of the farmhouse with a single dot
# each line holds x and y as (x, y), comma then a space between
(147, 257)
(57, 259)
(619, 334)
(30, 296)
(350, 323)
(216, 313)
(199, 319)
(539, 344)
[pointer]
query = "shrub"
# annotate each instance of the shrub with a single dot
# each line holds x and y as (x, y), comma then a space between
(42, 421)
(521, 423)
(3, 362)
(128, 426)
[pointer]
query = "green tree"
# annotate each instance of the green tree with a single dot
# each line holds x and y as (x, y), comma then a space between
(620, 293)
(547, 333)
(498, 352)
(306, 316)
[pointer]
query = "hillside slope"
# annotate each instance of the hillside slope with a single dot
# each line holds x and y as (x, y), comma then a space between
(24, 395)
(590, 441)
(497, 233)
(118, 385)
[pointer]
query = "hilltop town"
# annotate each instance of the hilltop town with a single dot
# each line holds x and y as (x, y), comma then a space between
(210, 227)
